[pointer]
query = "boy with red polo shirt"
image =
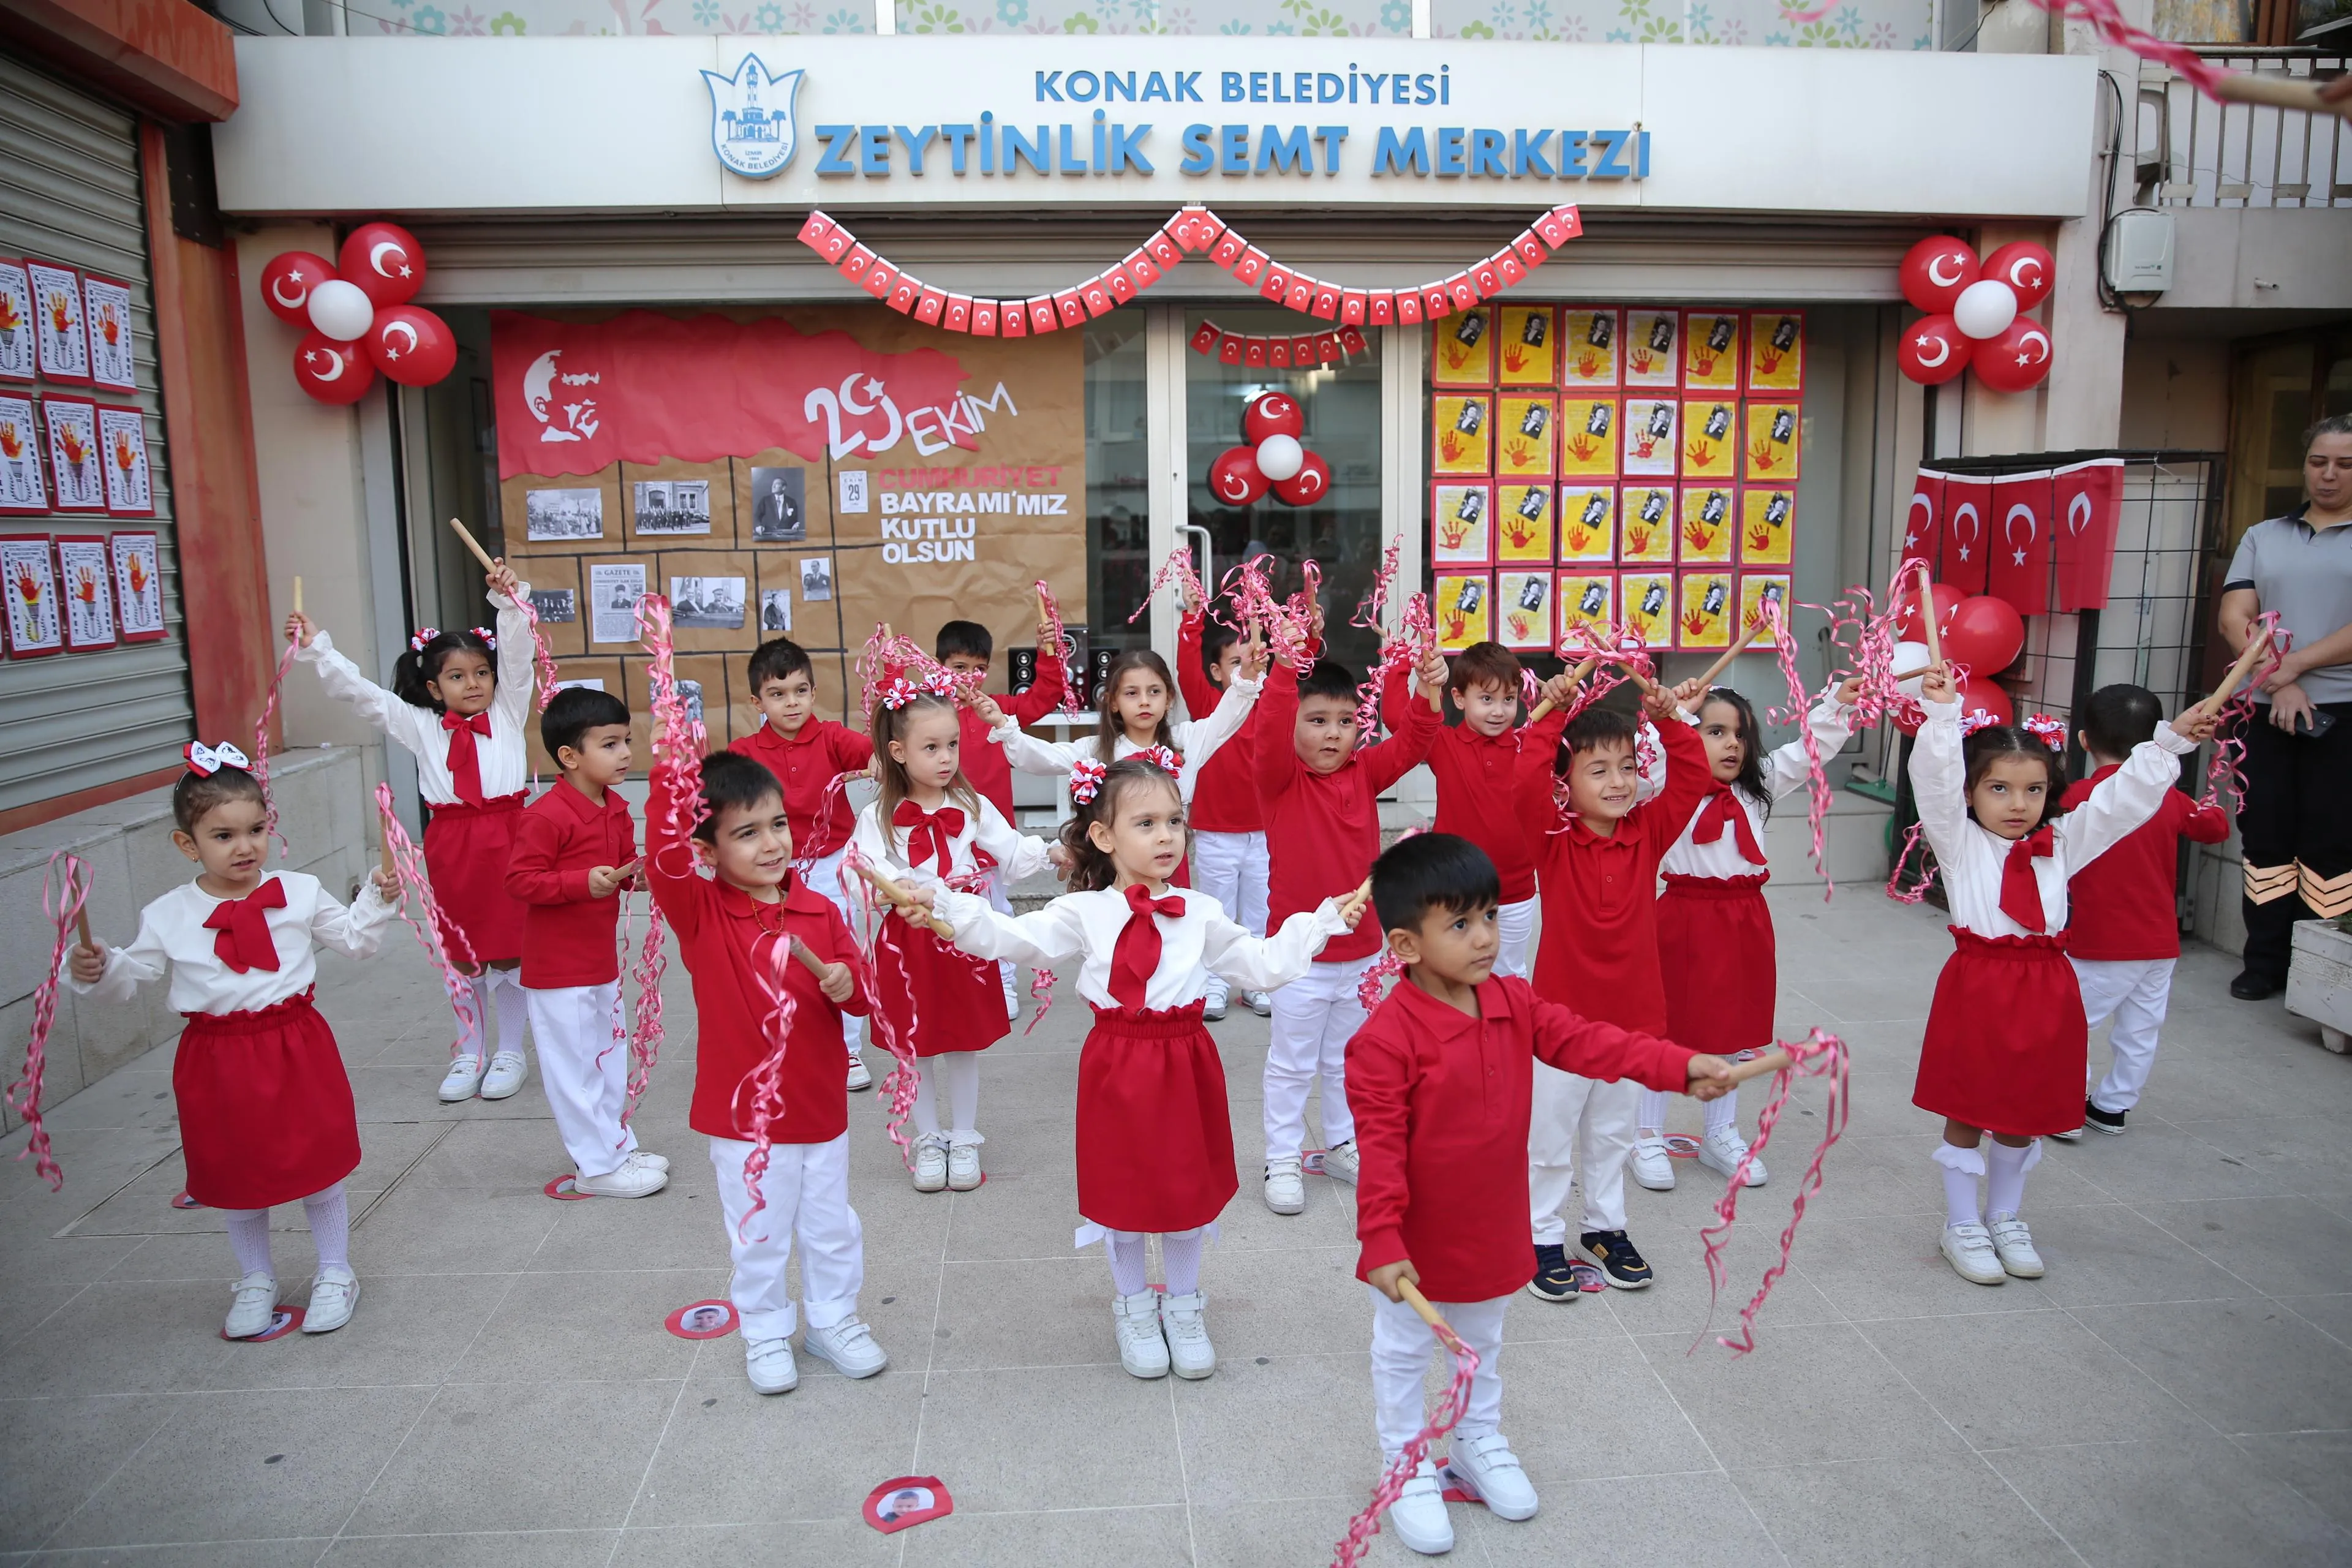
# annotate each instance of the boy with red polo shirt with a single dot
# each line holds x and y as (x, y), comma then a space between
(1597, 864)
(728, 929)
(1229, 860)
(1440, 1080)
(1476, 766)
(1321, 800)
(807, 754)
(2123, 925)
(574, 850)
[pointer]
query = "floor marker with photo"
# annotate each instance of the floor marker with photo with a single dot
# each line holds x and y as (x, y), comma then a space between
(906, 1501)
(706, 1319)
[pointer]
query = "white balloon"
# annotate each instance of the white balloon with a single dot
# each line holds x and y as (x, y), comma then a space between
(341, 311)
(1909, 656)
(1985, 308)
(1279, 457)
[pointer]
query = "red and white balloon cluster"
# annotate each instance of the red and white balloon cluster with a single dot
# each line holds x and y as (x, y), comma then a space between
(358, 316)
(1270, 458)
(1976, 314)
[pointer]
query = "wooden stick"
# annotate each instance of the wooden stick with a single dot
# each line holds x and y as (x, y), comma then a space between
(1577, 678)
(475, 545)
(1770, 1062)
(1354, 902)
(389, 870)
(898, 899)
(1734, 651)
(1913, 674)
(1927, 615)
(2238, 671)
(2277, 91)
(1419, 1303)
(1045, 622)
(816, 965)
(81, 920)
(298, 593)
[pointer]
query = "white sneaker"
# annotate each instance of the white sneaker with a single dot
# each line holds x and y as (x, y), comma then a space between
(250, 1310)
(849, 1345)
(648, 1158)
(1181, 1320)
(464, 1078)
(1489, 1471)
(1721, 1151)
(507, 1071)
(964, 1167)
(2073, 1137)
(930, 1163)
(2013, 1245)
(1011, 1004)
(769, 1365)
(1214, 1005)
(1135, 1320)
(1418, 1516)
(1260, 1002)
(632, 1179)
(333, 1294)
(859, 1077)
(1652, 1165)
(1342, 1161)
(1286, 1189)
(1968, 1249)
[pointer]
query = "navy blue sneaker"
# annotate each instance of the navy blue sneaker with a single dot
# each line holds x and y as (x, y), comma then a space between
(1554, 1281)
(1617, 1258)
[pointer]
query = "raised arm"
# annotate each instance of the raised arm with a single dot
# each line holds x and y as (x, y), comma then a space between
(2123, 800)
(1026, 753)
(1200, 738)
(418, 728)
(1044, 939)
(1263, 963)
(1786, 769)
(1044, 693)
(517, 666)
(356, 931)
(1686, 782)
(1940, 779)
(1192, 682)
(1408, 746)
(1275, 754)
(669, 869)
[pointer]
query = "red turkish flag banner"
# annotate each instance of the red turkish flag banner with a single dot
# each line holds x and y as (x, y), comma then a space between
(574, 397)
(1923, 522)
(2018, 563)
(1204, 337)
(1968, 534)
(2085, 503)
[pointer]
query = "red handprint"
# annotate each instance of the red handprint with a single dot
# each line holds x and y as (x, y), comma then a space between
(1518, 454)
(12, 440)
(1761, 457)
(1517, 532)
(125, 457)
(1452, 532)
(1693, 623)
(1697, 535)
(108, 327)
(1701, 360)
(1457, 624)
(1578, 538)
(1700, 454)
(1641, 360)
(1458, 353)
(1768, 360)
(138, 574)
(1514, 359)
(1645, 443)
(76, 453)
(9, 319)
(60, 310)
(1581, 447)
(1522, 626)
(1637, 538)
(1587, 366)
(85, 586)
(1450, 445)
(1759, 538)
(28, 586)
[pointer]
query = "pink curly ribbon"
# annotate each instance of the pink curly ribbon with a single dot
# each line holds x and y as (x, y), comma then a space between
(1416, 633)
(1176, 569)
(2107, 18)
(1448, 1413)
(1865, 637)
(2226, 776)
(1288, 628)
(1918, 890)
(677, 804)
(1370, 990)
(887, 659)
(408, 866)
(1818, 1054)
(646, 1023)
(876, 935)
(1040, 998)
(1051, 635)
(1374, 605)
(261, 747)
(1799, 714)
(542, 656)
(767, 1079)
(61, 905)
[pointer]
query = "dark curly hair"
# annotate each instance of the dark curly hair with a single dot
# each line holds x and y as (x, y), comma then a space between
(417, 666)
(1091, 868)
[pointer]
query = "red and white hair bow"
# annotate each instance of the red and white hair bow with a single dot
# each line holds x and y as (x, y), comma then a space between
(1086, 780)
(423, 636)
(1976, 719)
(490, 638)
(206, 761)
(1160, 757)
(904, 689)
(2050, 731)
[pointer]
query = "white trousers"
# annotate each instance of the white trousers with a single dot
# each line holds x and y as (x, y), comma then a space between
(1314, 1018)
(583, 1065)
(824, 878)
(806, 1186)
(1401, 1347)
(1514, 923)
(2135, 991)
(1006, 970)
(1577, 1122)
(1231, 867)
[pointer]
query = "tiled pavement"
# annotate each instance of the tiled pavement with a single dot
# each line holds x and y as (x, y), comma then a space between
(2177, 1390)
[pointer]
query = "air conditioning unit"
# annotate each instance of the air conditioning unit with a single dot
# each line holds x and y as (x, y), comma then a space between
(2139, 252)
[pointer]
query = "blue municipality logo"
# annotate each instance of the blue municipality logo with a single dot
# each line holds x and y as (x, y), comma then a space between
(751, 118)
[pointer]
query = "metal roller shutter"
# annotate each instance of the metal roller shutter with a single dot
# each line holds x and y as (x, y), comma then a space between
(69, 193)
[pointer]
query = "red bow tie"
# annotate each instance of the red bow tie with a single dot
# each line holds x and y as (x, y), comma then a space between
(2021, 894)
(1134, 957)
(465, 760)
(241, 928)
(1723, 809)
(930, 834)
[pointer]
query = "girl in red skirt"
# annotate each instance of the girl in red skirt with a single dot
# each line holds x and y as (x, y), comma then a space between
(1714, 932)
(927, 827)
(464, 721)
(2007, 1048)
(1154, 1133)
(264, 1107)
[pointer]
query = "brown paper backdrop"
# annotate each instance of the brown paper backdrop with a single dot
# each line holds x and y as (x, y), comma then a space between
(1039, 450)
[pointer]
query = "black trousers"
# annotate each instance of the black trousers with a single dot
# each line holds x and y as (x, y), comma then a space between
(2296, 826)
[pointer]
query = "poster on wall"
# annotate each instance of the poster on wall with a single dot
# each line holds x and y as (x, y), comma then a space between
(775, 612)
(1460, 431)
(1776, 352)
(1651, 358)
(1462, 525)
(1766, 514)
(84, 578)
(549, 515)
(613, 589)
(555, 606)
(1588, 601)
(1588, 347)
(816, 579)
(1711, 351)
(138, 586)
(1587, 524)
(1522, 599)
(1650, 451)
(1523, 522)
(1463, 604)
(21, 486)
(1524, 449)
(1710, 440)
(1775, 453)
(779, 505)
(34, 625)
(17, 353)
(1587, 437)
(707, 604)
(1702, 612)
(1758, 589)
(1707, 524)
(1462, 350)
(57, 319)
(123, 448)
(73, 453)
(1646, 535)
(672, 506)
(1528, 345)
(107, 306)
(1649, 607)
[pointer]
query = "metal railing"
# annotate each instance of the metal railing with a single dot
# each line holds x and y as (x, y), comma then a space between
(2189, 151)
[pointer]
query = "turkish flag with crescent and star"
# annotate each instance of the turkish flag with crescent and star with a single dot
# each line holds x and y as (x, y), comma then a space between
(1923, 522)
(2086, 502)
(2018, 559)
(1968, 535)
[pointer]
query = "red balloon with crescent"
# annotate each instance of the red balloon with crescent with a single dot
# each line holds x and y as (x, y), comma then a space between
(1233, 478)
(1934, 350)
(2016, 357)
(1272, 414)
(1933, 272)
(287, 282)
(332, 372)
(385, 261)
(411, 346)
(2028, 268)
(1311, 484)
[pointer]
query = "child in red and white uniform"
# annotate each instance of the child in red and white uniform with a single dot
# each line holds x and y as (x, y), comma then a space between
(929, 826)
(735, 931)
(1476, 766)
(265, 1106)
(1229, 861)
(463, 717)
(1988, 808)
(574, 852)
(1440, 1082)
(1713, 922)
(2123, 936)
(809, 756)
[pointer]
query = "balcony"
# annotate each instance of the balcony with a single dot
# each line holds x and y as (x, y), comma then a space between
(2190, 152)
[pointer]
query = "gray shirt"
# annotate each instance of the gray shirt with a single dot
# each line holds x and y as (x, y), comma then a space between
(2305, 575)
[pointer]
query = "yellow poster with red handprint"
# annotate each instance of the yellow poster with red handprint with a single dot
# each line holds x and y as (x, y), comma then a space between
(1767, 515)
(1703, 611)
(1652, 351)
(1462, 605)
(1710, 439)
(1523, 521)
(1587, 599)
(1710, 524)
(1711, 351)
(1587, 524)
(1523, 601)
(1649, 447)
(1460, 434)
(1649, 607)
(1526, 345)
(1462, 348)
(1589, 339)
(1587, 437)
(1523, 437)
(1462, 525)
(1755, 589)
(1645, 525)
(1775, 443)
(1776, 352)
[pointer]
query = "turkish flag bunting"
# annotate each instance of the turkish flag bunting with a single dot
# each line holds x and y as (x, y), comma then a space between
(1249, 267)
(1164, 252)
(1095, 294)
(1141, 271)
(1967, 534)
(2085, 503)
(983, 318)
(815, 229)
(2019, 563)
(1275, 282)
(1012, 319)
(1923, 524)
(1229, 349)
(930, 305)
(1530, 249)
(1326, 302)
(1278, 354)
(1204, 337)
(1379, 308)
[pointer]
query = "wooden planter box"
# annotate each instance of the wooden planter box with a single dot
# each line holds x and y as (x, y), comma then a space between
(2319, 981)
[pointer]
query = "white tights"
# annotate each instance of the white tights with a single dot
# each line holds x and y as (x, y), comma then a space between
(1180, 1253)
(957, 1074)
(330, 1213)
(498, 990)
(1724, 1112)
